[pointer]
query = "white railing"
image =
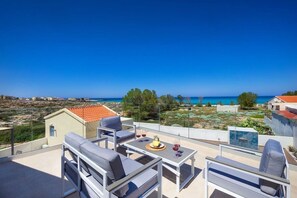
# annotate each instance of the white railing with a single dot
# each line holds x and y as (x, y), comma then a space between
(208, 134)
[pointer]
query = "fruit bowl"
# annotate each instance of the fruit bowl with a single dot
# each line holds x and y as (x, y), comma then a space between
(161, 145)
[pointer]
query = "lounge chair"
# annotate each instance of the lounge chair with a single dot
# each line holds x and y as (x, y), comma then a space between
(240, 180)
(111, 127)
(101, 172)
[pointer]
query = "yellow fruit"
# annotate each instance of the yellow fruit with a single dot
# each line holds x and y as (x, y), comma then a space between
(156, 143)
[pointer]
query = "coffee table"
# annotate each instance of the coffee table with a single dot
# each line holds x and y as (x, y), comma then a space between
(170, 161)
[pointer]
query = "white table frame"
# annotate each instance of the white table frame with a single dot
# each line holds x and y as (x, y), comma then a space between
(179, 186)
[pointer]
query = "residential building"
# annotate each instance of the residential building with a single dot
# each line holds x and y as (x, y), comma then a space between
(278, 103)
(284, 122)
(81, 120)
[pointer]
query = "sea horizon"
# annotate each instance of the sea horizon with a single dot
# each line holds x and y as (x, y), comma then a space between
(226, 100)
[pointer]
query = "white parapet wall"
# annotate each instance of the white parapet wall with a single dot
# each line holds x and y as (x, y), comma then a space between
(208, 134)
(227, 108)
(25, 147)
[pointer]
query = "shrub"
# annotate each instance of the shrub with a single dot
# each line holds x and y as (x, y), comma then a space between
(257, 116)
(247, 99)
(208, 104)
(292, 149)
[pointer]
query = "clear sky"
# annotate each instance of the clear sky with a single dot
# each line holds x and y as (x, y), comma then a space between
(104, 48)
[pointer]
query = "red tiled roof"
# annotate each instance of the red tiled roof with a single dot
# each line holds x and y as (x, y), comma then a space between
(287, 114)
(288, 98)
(92, 113)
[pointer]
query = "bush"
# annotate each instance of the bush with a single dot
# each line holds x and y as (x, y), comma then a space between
(292, 149)
(247, 99)
(257, 116)
(199, 105)
(258, 126)
(208, 104)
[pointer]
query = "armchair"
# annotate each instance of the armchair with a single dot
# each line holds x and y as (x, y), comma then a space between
(111, 127)
(241, 180)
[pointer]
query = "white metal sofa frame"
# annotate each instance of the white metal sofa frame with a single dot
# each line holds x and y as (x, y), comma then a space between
(108, 190)
(284, 182)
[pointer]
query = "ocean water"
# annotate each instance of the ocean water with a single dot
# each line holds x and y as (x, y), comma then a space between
(226, 100)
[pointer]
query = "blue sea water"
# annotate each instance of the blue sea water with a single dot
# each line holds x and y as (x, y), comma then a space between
(195, 100)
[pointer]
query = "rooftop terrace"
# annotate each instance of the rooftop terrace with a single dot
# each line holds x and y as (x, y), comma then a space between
(37, 174)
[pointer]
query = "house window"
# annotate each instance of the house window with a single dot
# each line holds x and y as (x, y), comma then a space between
(52, 131)
(277, 107)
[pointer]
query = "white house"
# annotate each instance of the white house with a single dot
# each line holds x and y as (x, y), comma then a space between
(280, 102)
(81, 120)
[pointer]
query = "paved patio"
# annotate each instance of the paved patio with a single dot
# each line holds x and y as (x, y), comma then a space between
(38, 174)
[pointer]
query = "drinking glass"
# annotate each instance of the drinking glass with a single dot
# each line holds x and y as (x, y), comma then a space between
(176, 146)
(144, 132)
(138, 133)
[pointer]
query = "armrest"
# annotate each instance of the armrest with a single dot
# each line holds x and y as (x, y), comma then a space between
(99, 140)
(265, 176)
(106, 129)
(119, 183)
(238, 148)
(129, 125)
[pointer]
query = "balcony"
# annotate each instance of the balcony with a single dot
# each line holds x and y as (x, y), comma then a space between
(37, 174)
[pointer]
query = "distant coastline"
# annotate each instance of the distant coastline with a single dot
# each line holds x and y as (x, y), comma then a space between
(226, 100)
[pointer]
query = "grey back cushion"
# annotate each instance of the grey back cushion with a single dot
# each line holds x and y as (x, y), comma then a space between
(108, 160)
(112, 122)
(272, 162)
(74, 140)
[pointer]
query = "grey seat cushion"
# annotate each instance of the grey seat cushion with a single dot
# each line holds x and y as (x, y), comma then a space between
(143, 182)
(240, 183)
(273, 162)
(137, 186)
(113, 122)
(108, 160)
(122, 136)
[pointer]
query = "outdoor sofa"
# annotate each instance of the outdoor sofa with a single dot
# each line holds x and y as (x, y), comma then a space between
(100, 172)
(240, 180)
(112, 128)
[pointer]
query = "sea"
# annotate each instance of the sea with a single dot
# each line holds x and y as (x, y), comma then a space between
(226, 100)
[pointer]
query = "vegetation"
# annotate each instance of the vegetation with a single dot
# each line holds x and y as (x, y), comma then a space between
(290, 93)
(180, 99)
(292, 149)
(24, 133)
(168, 103)
(208, 104)
(140, 105)
(247, 100)
(258, 126)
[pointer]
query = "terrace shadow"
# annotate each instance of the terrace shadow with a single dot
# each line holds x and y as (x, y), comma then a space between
(18, 180)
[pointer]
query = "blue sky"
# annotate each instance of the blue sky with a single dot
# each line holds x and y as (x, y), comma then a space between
(105, 48)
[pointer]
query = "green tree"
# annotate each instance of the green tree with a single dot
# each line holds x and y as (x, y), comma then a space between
(140, 105)
(290, 93)
(247, 99)
(180, 99)
(208, 104)
(168, 103)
